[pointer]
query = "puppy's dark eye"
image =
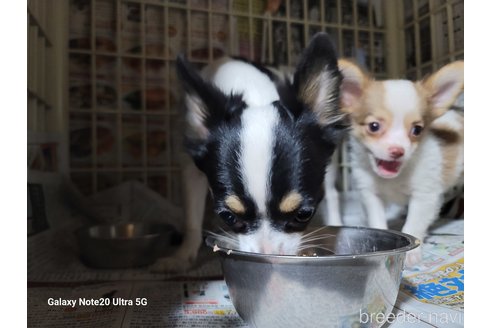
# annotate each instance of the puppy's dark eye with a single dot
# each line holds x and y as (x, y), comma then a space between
(304, 214)
(417, 130)
(228, 217)
(374, 127)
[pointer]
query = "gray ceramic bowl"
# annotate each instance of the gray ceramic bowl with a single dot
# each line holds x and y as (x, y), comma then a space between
(125, 245)
(353, 285)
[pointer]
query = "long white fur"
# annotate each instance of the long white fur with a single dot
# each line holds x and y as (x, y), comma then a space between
(269, 241)
(331, 213)
(240, 77)
(397, 134)
(420, 183)
(257, 140)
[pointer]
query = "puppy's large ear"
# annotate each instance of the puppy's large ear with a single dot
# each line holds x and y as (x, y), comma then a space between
(202, 100)
(354, 80)
(206, 106)
(317, 79)
(444, 86)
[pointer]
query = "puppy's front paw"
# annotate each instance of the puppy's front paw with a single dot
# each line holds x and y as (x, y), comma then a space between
(179, 262)
(413, 257)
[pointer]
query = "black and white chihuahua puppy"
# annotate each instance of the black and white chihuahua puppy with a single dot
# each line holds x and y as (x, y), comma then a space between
(261, 145)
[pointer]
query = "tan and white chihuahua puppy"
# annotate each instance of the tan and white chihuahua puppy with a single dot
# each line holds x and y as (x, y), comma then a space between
(406, 145)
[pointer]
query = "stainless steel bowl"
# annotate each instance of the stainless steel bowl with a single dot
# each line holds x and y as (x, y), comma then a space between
(124, 245)
(353, 280)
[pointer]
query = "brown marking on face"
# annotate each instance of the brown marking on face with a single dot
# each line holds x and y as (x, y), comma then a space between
(290, 202)
(416, 118)
(371, 108)
(366, 103)
(235, 204)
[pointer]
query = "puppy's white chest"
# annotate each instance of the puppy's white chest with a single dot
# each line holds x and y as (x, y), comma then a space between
(393, 191)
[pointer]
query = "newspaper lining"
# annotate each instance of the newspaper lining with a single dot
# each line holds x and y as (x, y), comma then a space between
(431, 295)
(433, 292)
(135, 304)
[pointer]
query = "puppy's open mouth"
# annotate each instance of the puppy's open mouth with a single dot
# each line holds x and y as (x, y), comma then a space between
(388, 169)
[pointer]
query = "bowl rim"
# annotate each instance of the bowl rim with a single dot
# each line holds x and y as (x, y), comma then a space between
(413, 242)
(83, 232)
